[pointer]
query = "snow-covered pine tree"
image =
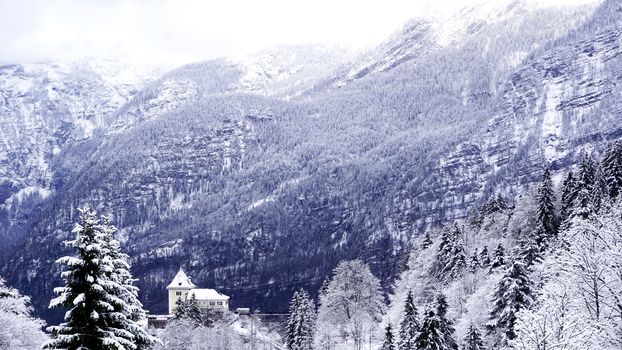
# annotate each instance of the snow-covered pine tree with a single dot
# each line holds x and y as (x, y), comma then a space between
(529, 251)
(430, 337)
(189, 310)
(498, 259)
(445, 325)
(546, 228)
(94, 319)
(293, 323)
(484, 257)
(600, 191)
(474, 262)
(586, 173)
(387, 343)
(409, 327)
(124, 288)
(569, 194)
(473, 339)
(307, 321)
(513, 293)
(612, 168)
(452, 257)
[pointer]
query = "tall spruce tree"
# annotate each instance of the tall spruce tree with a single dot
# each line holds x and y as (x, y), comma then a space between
(600, 191)
(293, 322)
(388, 343)
(498, 259)
(451, 256)
(569, 194)
(513, 293)
(546, 228)
(445, 325)
(96, 318)
(484, 257)
(473, 339)
(583, 204)
(409, 327)
(125, 288)
(474, 262)
(301, 322)
(430, 337)
(612, 168)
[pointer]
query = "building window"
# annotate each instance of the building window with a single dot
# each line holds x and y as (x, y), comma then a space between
(212, 303)
(220, 303)
(177, 293)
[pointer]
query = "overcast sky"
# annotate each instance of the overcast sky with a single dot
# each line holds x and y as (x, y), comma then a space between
(187, 30)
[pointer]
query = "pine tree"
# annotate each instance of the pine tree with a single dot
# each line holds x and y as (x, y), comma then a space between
(484, 257)
(547, 219)
(473, 339)
(293, 322)
(569, 194)
(498, 258)
(474, 262)
(612, 168)
(445, 325)
(512, 294)
(409, 327)
(387, 344)
(430, 337)
(451, 257)
(125, 291)
(301, 322)
(96, 318)
(600, 192)
(529, 251)
(583, 204)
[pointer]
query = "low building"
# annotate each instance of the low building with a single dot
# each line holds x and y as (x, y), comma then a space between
(182, 288)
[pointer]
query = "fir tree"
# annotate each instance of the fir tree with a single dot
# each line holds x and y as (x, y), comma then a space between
(529, 251)
(600, 192)
(473, 339)
(300, 324)
(388, 344)
(445, 325)
(583, 204)
(612, 168)
(498, 258)
(409, 327)
(293, 322)
(474, 262)
(512, 294)
(126, 291)
(569, 194)
(547, 219)
(96, 319)
(451, 256)
(430, 337)
(484, 257)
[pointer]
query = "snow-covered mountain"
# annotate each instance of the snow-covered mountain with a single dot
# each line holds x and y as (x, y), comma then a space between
(239, 169)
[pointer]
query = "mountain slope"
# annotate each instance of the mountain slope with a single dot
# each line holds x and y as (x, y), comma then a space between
(256, 194)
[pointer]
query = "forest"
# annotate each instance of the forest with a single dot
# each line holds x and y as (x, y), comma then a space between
(543, 271)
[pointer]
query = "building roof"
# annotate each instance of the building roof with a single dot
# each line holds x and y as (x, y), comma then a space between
(206, 294)
(181, 280)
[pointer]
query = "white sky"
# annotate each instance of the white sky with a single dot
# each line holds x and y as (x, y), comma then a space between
(186, 30)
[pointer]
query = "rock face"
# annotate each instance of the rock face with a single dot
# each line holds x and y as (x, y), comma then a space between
(258, 175)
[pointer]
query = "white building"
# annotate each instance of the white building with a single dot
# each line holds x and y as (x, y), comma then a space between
(182, 288)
